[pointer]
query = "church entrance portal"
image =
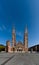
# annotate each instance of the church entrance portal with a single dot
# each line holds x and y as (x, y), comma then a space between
(19, 49)
(13, 49)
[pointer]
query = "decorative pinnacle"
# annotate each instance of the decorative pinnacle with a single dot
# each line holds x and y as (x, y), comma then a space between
(26, 29)
(13, 30)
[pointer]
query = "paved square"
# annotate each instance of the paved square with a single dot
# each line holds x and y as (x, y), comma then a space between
(19, 58)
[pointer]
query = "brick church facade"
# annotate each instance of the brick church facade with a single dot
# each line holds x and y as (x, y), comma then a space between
(18, 47)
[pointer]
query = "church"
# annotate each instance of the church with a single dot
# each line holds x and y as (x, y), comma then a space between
(17, 47)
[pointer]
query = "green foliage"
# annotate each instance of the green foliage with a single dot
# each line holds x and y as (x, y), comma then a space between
(2, 48)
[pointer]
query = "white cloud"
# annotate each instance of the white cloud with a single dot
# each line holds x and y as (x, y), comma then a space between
(19, 34)
(3, 26)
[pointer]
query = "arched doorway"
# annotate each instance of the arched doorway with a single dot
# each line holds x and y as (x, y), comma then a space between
(19, 49)
(13, 49)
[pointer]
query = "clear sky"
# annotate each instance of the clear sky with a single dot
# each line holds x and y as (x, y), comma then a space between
(19, 13)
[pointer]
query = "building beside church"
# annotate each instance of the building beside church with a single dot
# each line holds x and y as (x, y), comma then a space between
(34, 48)
(17, 47)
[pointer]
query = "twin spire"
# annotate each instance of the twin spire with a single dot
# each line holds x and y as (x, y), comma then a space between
(26, 29)
(25, 37)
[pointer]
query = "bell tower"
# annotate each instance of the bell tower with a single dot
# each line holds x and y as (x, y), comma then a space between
(26, 39)
(13, 37)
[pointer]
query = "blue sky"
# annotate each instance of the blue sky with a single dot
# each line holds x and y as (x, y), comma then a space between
(19, 13)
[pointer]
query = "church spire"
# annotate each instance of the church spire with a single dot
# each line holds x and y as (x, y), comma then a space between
(13, 29)
(26, 38)
(26, 29)
(13, 37)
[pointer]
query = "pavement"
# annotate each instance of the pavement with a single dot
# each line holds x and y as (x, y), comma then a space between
(19, 58)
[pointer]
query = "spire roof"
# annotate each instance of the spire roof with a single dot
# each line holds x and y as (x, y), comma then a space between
(26, 29)
(13, 29)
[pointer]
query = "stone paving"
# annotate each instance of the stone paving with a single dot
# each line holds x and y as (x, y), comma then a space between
(19, 58)
(4, 57)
